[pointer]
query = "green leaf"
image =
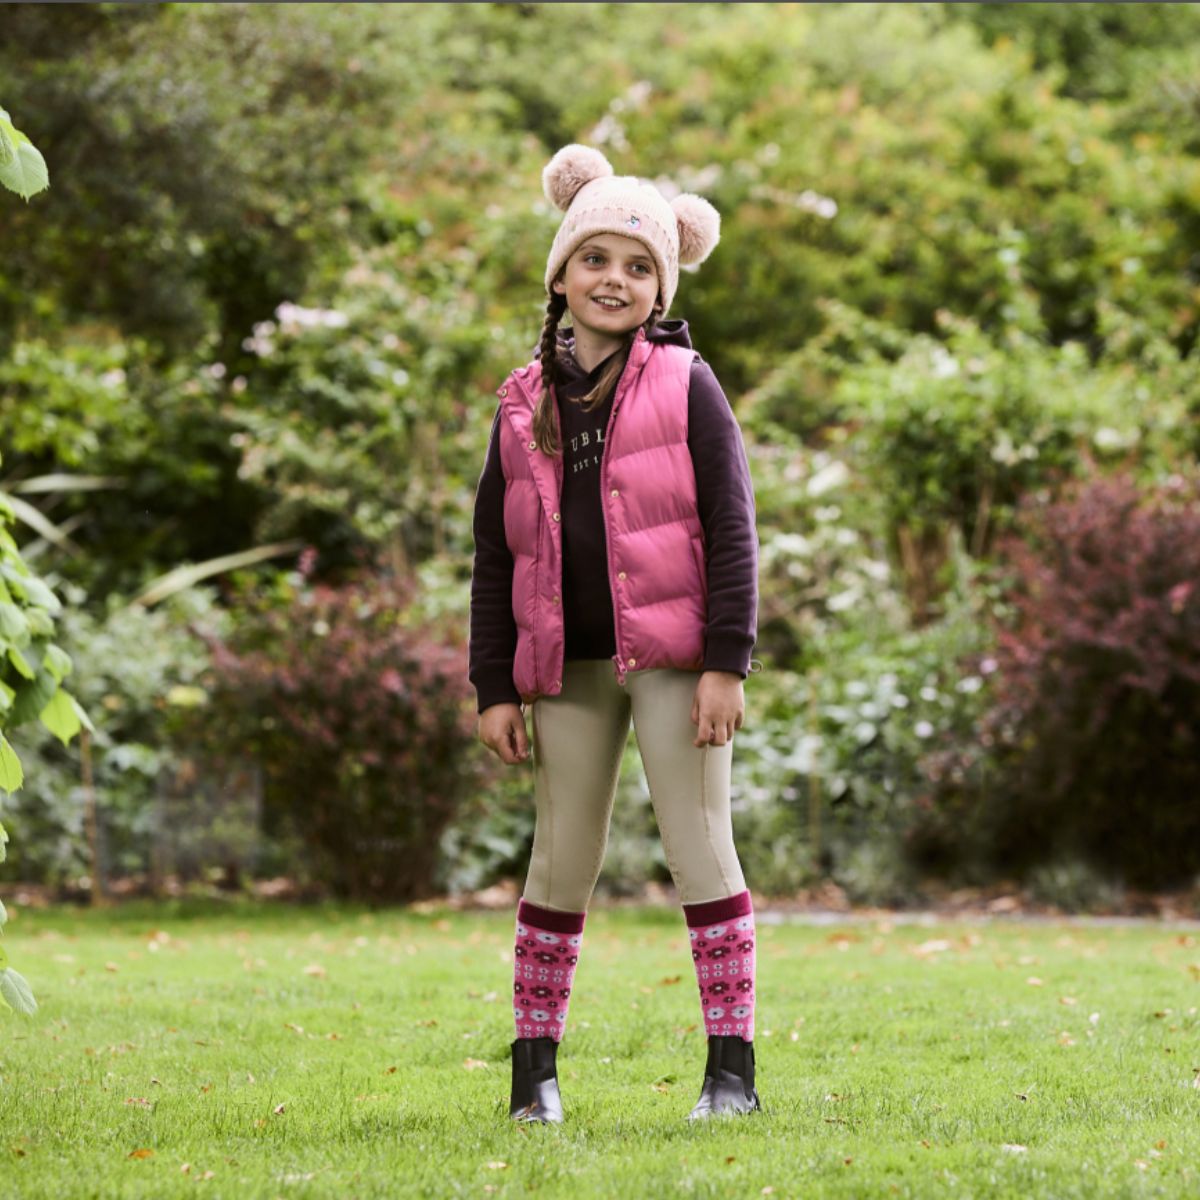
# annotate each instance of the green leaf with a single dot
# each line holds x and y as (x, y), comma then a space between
(36, 592)
(12, 623)
(21, 663)
(17, 992)
(29, 586)
(58, 662)
(32, 697)
(84, 719)
(11, 778)
(3, 914)
(22, 167)
(3, 843)
(40, 623)
(60, 717)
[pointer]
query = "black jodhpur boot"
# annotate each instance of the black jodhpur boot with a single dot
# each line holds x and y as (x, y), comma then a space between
(535, 1081)
(728, 1078)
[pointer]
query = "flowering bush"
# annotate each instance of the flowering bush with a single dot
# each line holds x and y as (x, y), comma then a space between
(361, 723)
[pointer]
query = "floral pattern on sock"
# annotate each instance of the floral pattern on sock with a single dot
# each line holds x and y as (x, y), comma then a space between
(543, 972)
(723, 955)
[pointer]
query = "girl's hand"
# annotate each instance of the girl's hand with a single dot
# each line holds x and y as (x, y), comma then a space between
(502, 730)
(718, 708)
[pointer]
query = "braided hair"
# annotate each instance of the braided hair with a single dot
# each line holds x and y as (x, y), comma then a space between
(545, 427)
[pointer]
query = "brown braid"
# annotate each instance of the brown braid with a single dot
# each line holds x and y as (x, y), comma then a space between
(545, 428)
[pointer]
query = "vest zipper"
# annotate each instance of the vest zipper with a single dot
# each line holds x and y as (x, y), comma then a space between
(618, 395)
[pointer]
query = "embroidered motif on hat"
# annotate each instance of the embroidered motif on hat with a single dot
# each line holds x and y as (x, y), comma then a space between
(633, 222)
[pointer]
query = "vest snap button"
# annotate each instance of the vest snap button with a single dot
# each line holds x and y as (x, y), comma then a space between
(633, 662)
(557, 517)
(615, 492)
(503, 392)
(533, 445)
(620, 574)
(555, 599)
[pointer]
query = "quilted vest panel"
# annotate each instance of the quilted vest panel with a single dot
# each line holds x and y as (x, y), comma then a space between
(656, 553)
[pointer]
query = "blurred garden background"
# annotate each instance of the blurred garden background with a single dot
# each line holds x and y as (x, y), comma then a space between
(250, 337)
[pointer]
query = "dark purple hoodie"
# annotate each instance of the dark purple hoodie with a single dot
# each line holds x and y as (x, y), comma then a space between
(725, 499)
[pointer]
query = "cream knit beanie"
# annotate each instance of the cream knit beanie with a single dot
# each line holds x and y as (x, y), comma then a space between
(580, 181)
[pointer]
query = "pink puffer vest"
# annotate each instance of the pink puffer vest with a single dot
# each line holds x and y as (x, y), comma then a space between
(656, 556)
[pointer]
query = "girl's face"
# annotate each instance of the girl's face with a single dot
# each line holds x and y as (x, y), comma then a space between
(614, 267)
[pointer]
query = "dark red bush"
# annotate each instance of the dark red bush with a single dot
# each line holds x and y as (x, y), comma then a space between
(1096, 722)
(361, 720)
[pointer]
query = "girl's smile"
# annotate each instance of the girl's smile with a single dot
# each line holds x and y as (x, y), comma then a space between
(611, 287)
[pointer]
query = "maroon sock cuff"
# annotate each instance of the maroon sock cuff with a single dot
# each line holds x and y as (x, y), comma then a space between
(712, 911)
(550, 919)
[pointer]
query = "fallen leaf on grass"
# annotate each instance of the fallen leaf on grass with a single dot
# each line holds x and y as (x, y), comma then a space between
(185, 1168)
(1034, 981)
(936, 946)
(497, 1166)
(278, 1110)
(474, 1064)
(293, 1028)
(140, 1154)
(1067, 1000)
(111, 966)
(668, 980)
(316, 969)
(1014, 1148)
(139, 1100)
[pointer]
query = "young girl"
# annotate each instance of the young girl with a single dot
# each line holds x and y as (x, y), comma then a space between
(616, 574)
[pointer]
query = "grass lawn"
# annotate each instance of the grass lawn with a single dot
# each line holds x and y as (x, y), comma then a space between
(262, 1052)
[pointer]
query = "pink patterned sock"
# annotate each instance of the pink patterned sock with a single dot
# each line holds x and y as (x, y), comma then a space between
(722, 937)
(544, 958)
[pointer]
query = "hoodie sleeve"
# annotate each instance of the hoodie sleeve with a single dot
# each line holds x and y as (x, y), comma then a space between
(725, 497)
(492, 644)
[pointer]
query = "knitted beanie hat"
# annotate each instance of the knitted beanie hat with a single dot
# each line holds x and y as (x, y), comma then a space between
(580, 181)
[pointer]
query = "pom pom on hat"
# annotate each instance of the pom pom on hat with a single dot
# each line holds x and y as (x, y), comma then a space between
(699, 227)
(569, 169)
